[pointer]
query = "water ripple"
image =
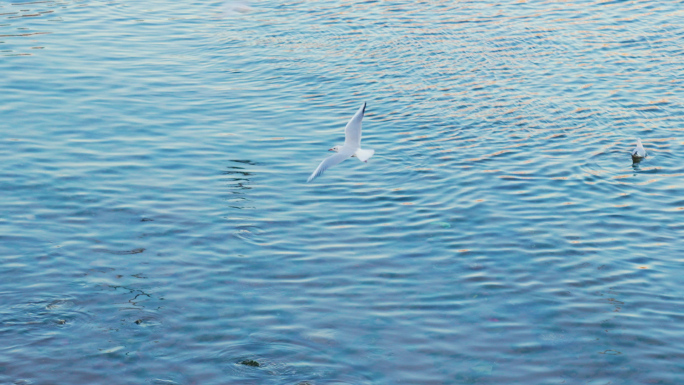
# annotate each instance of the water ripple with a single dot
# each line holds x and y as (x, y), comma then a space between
(157, 226)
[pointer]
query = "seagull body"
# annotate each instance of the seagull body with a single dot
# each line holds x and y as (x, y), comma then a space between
(351, 147)
(639, 151)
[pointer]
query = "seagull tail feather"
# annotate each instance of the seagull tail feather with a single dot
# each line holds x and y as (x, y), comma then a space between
(364, 155)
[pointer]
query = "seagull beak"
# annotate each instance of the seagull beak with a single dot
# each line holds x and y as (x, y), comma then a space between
(330, 149)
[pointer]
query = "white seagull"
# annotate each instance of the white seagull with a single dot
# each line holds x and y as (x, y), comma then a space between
(351, 147)
(639, 151)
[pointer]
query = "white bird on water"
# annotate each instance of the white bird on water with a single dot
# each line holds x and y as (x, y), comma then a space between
(639, 151)
(351, 147)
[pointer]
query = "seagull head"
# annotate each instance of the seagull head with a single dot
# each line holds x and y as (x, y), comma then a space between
(336, 148)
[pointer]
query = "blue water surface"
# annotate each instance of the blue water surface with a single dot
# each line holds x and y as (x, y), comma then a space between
(156, 226)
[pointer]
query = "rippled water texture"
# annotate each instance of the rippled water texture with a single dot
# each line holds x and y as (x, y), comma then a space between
(156, 225)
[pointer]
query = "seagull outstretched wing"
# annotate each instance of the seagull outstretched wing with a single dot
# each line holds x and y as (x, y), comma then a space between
(352, 133)
(330, 161)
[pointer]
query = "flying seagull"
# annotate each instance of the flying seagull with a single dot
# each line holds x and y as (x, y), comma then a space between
(351, 147)
(639, 151)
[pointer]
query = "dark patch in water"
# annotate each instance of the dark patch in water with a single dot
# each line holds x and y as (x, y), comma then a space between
(610, 352)
(250, 363)
(121, 252)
